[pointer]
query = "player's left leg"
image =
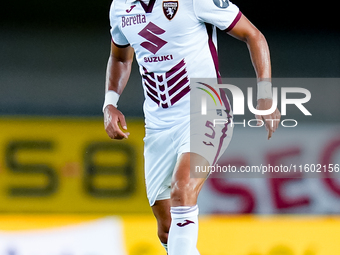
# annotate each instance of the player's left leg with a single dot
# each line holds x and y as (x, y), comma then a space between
(183, 232)
(184, 187)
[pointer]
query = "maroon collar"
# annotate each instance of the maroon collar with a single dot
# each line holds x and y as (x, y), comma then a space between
(147, 8)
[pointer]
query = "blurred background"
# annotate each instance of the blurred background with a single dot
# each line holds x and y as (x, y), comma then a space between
(66, 189)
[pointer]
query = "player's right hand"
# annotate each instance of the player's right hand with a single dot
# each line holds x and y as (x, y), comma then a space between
(114, 120)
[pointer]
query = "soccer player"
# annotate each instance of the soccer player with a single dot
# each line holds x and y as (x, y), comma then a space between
(174, 41)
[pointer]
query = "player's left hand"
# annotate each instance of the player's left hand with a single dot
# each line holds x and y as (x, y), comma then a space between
(271, 121)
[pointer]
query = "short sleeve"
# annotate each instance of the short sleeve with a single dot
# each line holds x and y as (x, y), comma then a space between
(117, 36)
(220, 13)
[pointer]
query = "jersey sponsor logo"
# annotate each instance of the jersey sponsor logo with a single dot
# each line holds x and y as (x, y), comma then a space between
(170, 9)
(158, 59)
(131, 8)
(221, 3)
(150, 33)
(133, 20)
(187, 222)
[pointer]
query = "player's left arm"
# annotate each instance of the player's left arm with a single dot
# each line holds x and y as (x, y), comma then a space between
(245, 31)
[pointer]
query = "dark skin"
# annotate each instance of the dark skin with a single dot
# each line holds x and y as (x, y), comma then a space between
(185, 190)
(117, 75)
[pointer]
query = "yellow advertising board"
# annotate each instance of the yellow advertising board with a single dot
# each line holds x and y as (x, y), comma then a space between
(218, 235)
(70, 166)
(245, 235)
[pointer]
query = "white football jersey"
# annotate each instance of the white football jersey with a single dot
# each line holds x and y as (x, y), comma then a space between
(173, 42)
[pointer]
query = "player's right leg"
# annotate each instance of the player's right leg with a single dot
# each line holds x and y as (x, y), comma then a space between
(160, 160)
(161, 210)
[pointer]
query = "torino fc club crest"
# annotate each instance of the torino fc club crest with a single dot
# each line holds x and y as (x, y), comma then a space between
(170, 9)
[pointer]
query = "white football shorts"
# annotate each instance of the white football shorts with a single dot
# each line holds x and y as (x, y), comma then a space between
(163, 148)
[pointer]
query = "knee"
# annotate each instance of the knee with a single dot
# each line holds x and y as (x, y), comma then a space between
(183, 192)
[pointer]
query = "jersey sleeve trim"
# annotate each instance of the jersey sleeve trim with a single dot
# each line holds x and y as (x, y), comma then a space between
(233, 24)
(118, 45)
(117, 36)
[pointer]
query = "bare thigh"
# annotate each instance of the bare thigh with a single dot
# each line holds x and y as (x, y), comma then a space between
(185, 188)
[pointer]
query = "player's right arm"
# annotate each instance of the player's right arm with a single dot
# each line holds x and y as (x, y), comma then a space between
(117, 75)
